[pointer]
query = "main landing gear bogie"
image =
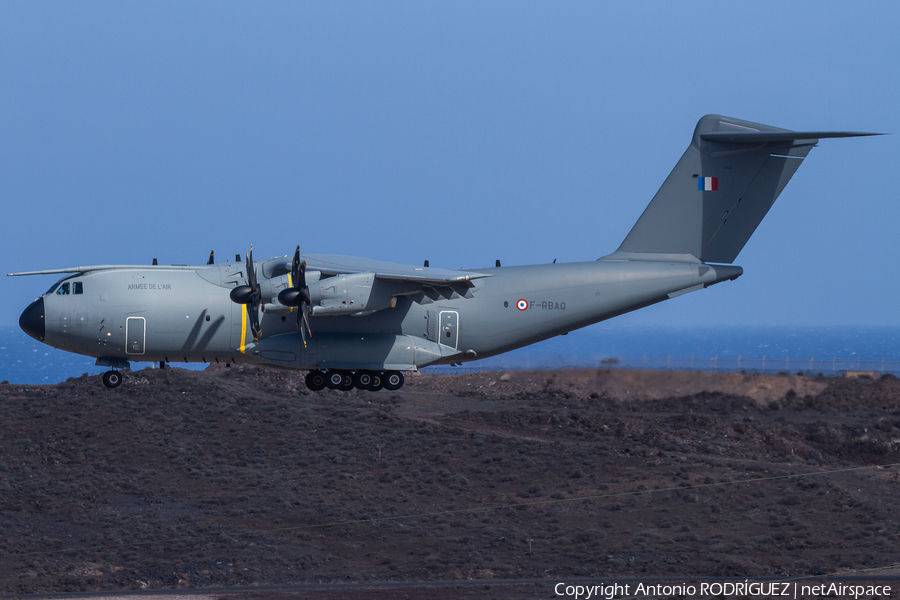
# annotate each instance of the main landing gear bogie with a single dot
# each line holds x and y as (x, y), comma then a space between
(315, 380)
(339, 379)
(377, 382)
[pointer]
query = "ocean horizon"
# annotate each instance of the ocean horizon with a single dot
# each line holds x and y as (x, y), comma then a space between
(826, 350)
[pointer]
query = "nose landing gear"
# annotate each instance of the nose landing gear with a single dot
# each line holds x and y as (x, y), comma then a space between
(112, 379)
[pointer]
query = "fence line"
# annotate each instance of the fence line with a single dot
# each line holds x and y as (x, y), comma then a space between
(833, 367)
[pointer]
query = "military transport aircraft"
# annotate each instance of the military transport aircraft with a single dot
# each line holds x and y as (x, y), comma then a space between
(356, 322)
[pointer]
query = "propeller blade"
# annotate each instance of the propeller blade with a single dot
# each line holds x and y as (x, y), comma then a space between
(254, 322)
(295, 267)
(251, 272)
(251, 298)
(303, 322)
(298, 295)
(304, 312)
(301, 279)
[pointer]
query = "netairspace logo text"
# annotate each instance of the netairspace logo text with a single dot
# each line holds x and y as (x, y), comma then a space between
(767, 589)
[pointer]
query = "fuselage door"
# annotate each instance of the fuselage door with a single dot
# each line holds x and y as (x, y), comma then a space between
(135, 333)
(449, 331)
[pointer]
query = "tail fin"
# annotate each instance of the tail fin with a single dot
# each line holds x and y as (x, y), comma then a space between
(720, 190)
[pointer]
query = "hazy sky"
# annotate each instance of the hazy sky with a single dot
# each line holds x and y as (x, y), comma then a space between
(457, 132)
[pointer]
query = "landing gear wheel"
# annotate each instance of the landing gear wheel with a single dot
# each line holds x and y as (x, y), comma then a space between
(334, 380)
(112, 379)
(315, 380)
(348, 382)
(393, 380)
(377, 382)
(363, 380)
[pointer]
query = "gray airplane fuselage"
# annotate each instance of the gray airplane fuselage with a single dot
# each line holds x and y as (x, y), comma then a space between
(358, 321)
(184, 314)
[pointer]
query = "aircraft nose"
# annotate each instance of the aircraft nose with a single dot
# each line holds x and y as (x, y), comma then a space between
(32, 320)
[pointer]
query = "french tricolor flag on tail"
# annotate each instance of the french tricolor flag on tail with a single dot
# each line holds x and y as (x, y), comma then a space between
(707, 184)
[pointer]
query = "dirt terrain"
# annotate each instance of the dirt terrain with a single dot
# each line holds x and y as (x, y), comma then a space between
(240, 476)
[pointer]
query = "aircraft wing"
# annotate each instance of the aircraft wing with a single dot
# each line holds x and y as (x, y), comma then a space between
(88, 268)
(330, 264)
(327, 264)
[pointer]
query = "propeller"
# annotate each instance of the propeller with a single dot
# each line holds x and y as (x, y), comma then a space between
(249, 295)
(298, 295)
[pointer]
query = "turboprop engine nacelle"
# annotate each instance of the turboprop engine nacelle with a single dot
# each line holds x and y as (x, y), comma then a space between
(271, 288)
(349, 294)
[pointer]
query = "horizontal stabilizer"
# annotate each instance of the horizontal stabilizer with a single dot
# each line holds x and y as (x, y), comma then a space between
(762, 137)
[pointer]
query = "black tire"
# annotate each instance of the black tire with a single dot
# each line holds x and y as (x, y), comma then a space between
(112, 379)
(315, 380)
(334, 380)
(393, 380)
(348, 382)
(377, 382)
(363, 379)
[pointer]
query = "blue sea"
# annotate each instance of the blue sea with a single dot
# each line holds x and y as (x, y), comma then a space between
(811, 350)
(827, 350)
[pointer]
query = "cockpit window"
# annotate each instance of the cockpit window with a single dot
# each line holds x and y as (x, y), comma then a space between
(63, 289)
(77, 288)
(51, 290)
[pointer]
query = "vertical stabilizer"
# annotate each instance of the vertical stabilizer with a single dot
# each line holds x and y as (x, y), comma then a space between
(720, 190)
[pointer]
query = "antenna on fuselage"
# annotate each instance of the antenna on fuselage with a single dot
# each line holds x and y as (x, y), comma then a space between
(426, 263)
(155, 262)
(212, 257)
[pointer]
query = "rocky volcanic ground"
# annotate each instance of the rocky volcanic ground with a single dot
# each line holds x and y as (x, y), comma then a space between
(241, 476)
